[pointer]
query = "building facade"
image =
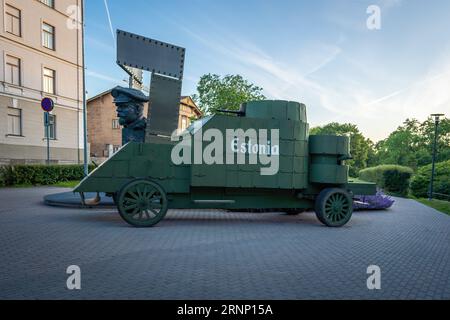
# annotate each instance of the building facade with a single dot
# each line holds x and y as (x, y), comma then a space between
(41, 56)
(104, 131)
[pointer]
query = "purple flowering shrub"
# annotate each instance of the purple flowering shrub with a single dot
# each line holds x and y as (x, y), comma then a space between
(379, 201)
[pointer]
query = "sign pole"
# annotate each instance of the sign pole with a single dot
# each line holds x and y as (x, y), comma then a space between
(47, 129)
(47, 106)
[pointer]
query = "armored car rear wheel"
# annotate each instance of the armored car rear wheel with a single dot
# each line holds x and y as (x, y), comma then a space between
(334, 207)
(142, 203)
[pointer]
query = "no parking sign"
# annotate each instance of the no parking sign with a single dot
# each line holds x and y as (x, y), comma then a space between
(47, 104)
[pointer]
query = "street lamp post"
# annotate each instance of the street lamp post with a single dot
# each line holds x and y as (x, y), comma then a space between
(433, 166)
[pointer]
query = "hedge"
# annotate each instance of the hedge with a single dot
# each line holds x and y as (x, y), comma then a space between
(421, 180)
(39, 174)
(393, 179)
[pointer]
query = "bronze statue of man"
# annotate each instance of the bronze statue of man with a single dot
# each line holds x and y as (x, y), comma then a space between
(130, 109)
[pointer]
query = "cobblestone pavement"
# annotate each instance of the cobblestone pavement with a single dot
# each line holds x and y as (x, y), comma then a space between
(212, 254)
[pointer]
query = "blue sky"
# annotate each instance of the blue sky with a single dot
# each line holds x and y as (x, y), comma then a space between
(320, 53)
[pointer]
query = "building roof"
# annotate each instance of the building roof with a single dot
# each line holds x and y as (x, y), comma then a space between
(104, 93)
(193, 104)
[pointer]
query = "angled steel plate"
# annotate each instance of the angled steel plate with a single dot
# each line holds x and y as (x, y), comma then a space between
(149, 54)
(164, 105)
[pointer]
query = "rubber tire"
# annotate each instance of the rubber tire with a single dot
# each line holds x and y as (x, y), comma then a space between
(319, 207)
(115, 198)
(154, 221)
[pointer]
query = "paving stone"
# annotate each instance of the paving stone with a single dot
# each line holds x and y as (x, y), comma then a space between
(214, 254)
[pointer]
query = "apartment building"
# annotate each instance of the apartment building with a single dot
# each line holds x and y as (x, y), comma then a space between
(40, 56)
(104, 131)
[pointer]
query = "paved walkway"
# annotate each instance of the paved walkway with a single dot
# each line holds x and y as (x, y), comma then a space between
(213, 254)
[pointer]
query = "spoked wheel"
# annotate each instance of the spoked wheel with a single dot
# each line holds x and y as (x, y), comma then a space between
(334, 207)
(114, 197)
(142, 203)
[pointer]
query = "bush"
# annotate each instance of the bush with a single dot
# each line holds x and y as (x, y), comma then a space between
(392, 179)
(5, 176)
(421, 180)
(39, 174)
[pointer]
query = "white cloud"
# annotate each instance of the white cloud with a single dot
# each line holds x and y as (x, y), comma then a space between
(90, 42)
(349, 96)
(101, 76)
(377, 117)
(278, 79)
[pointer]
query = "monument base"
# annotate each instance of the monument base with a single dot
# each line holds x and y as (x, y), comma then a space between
(73, 200)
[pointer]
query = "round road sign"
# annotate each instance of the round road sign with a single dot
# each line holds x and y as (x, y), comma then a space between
(47, 104)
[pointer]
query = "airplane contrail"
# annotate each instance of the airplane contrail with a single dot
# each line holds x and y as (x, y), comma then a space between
(110, 22)
(396, 93)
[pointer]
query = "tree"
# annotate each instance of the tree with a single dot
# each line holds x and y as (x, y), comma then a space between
(229, 92)
(373, 159)
(399, 148)
(426, 134)
(360, 147)
(412, 143)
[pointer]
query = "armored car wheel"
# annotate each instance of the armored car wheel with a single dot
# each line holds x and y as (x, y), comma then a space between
(142, 203)
(114, 198)
(334, 207)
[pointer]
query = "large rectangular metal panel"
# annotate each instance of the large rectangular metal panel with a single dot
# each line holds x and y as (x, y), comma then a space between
(149, 54)
(164, 105)
(247, 175)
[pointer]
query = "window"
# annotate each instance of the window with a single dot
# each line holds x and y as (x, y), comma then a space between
(116, 148)
(106, 151)
(12, 70)
(49, 80)
(14, 122)
(184, 122)
(51, 127)
(115, 124)
(49, 3)
(13, 20)
(48, 36)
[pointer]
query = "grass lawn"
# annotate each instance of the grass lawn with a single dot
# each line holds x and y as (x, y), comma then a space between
(440, 205)
(64, 184)
(67, 184)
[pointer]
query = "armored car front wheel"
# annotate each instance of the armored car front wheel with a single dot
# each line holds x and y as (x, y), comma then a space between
(142, 203)
(334, 207)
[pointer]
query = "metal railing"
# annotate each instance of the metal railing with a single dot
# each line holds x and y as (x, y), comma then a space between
(441, 195)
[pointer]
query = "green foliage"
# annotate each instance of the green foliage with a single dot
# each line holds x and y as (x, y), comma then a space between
(229, 92)
(397, 181)
(409, 145)
(5, 176)
(421, 180)
(361, 148)
(392, 179)
(412, 144)
(39, 174)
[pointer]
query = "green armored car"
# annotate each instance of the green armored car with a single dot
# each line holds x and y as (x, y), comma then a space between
(261, 157)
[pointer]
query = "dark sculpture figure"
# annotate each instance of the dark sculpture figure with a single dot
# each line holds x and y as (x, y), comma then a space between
(130, 109)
